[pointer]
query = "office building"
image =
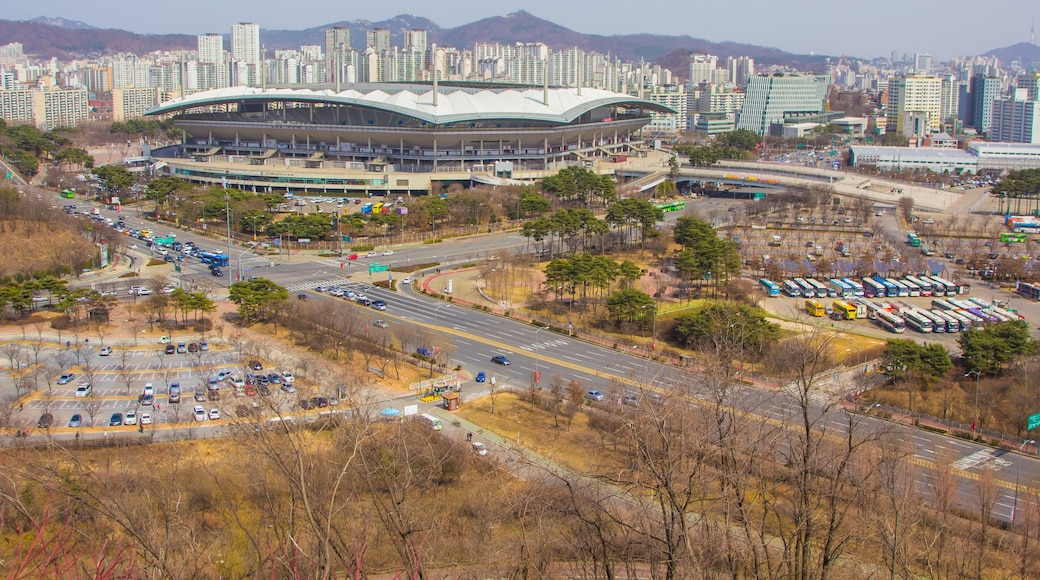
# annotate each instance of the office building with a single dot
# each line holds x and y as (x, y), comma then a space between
(913, 94)
(772, 100)
(922, 63)
(1015, 121)
(984, 90)
(245, 43)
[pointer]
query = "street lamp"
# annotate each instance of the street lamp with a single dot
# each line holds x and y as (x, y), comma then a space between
(1018, 470)
(253, 218)
(653, 340)
(975, 423)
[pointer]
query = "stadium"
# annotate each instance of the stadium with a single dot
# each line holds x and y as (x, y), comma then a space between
(387, 139)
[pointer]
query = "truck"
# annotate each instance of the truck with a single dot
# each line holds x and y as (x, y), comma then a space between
(777, 241)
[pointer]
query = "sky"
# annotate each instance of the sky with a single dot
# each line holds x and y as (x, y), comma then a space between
(942, 28)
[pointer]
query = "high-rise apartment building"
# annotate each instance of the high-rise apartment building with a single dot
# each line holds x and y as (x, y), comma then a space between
(1015, 121)
(773, 99)
(378, 39)
(211, 48)
(702, 68)
(740, 69)
(1031, 83)
(337, 52)
(912, 95)
(133, 103)
(59, 108)
(984, 90)
(922, 63)
(415, 39)
(16, 106)
(949, 98)
(245, 43)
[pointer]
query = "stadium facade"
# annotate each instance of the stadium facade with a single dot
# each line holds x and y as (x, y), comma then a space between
(395, 138)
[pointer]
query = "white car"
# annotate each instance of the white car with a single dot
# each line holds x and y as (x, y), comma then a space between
(84, 390)
(388, 253)
(214, 414)
(237, 382)
(199, 413)
(130, 418)
(407, 280)
(105, 351)
(288, 378)
(479, 448)
(149, 389)
(146, 418)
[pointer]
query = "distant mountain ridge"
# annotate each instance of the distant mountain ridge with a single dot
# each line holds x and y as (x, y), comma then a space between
(47, 37)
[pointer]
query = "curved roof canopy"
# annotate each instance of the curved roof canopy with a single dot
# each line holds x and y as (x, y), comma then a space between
(454, 104)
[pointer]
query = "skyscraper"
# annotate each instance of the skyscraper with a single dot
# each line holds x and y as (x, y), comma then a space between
(415, 39)
(984, 90)
(245, 43)
(211, 48)
(378, 39)
(337, 47)
(702, 68)
(1015, 121)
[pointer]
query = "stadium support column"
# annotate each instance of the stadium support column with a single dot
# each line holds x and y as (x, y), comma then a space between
(435, 155)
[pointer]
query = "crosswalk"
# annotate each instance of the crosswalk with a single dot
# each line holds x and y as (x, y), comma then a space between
(345, 284)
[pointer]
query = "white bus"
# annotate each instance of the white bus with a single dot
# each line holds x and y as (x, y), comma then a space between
(916, 321)
(915, 290)
(924, 287)
(903, 289)
(819, 289)
(952, 324)
(807, 289)
(938, 324)
(432, 421)
(791, 289)
(857, 287)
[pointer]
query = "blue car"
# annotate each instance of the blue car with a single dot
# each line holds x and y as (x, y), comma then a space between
(423, 352)
(500, 360)
(481, 377)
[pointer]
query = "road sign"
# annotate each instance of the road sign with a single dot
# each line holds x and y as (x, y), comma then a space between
(177, 267)
(373, 267)
(1033, 422)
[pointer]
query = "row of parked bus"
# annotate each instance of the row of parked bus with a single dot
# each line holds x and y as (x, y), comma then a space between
(945, 315)
(870, 287)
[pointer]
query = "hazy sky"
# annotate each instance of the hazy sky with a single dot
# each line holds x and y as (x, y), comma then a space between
(943, 28)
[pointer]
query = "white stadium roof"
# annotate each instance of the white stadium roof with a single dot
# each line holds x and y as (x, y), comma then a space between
(454, 104)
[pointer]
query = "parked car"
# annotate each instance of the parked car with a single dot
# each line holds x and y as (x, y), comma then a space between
(45, 422)
(115, 420)
(479, 448)
(193, 347)
(170, 349)
(214, 414)
(105, 351)
(630, 399)
(199, 413)
(593, 395)
(288, 378)
(380, 323)
(175, 393)
(76, 420)
(288, 388)
(200, 396)
(84, 390)
(379, 304)
(182, 347)
(130, 418)
(500, 360)
(203, 346)
(66, 378)
(422, 351)
(146, 418)
(255, 365)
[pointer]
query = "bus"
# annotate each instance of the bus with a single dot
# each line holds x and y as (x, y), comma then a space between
(857, 288)
(215, 259)
(940, 304)
(873, 289)
(890, 322)
(901, 288)
(820, 289)
(964, 321)
(938, 324)
(807, 289)
(770, 288)
(672, 206)
(915, 290)
(377, 207)
(814, 308)
(842, 289)
(791, 289)
(952, 324)
(844, 310)
(949, 288)
(891, 290)
(917, 322)
(925, 288)
(1019, 237)
(432, 421)
(1031, 291)
(68, 193)
(913, 240)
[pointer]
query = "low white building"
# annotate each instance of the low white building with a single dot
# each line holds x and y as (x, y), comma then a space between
(952, 161)
(1005, 156)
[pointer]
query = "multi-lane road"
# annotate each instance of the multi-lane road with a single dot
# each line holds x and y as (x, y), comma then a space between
(471, 338)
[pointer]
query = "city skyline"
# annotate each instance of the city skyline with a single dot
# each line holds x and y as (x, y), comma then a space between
(864, 34)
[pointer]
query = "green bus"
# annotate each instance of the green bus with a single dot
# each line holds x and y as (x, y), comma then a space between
(68, 193)
(673, 206)
(1020, 238)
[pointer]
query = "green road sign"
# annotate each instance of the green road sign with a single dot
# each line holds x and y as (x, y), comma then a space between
(372, 268)
(164, 241)
(1033, 422)
(345, 238)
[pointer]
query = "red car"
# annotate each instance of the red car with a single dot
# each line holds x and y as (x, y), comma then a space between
(352, 257)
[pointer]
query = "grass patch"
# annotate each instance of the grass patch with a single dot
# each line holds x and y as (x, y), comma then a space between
(156, 262)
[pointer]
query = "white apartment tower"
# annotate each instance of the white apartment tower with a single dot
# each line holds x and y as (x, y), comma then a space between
(211, 48)
(378, 39)
(337, 52)
(415, 39)
(1015, 121)
(245, 43)
(702, 68)
(910, 95)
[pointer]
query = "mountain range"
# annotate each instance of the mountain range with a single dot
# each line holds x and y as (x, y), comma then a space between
(64, 39)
